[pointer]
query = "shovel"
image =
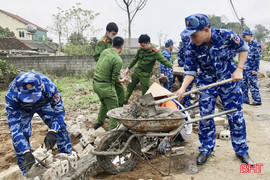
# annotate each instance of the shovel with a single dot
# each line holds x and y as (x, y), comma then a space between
(149, 99)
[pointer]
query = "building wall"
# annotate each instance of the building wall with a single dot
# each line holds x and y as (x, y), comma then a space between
(59, 65)
(16, 26)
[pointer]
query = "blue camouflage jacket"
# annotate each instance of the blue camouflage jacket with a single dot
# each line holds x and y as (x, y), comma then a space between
(164, 69)
(215, 61)
(181, 54)
(16, 108)
(254, 56)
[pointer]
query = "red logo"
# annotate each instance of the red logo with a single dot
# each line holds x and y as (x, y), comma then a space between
(247, 169)
(29, 86)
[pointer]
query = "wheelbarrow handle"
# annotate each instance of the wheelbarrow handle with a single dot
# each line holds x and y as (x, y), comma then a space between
(192, 91)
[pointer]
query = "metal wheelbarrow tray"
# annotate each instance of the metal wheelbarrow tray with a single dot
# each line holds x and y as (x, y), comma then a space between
(167, 120)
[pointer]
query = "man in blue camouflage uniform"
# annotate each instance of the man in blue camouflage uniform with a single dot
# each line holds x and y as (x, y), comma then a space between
(250, 78)
(211, 49)
(181, 62)
(164, 70)
(31, 93)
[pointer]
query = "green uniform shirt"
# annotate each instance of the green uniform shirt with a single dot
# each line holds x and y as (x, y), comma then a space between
(104, 43)
(146, 59)
(108, 66)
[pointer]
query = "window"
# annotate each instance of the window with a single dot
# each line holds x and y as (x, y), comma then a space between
(21, 33)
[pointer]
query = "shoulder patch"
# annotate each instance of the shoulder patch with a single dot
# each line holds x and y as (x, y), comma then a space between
(258, 49)
(236, 38)
(56, 97)
(154, 49)
(105, 40)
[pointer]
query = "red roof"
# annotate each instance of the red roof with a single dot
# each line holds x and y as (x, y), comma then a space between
(24, 21)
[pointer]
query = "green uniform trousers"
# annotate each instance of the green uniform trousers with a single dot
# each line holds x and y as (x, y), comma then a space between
(109, 100)
(120, 91)
(136, 77)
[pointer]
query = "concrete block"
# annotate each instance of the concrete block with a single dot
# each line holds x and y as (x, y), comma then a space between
(40, 153)
(81, 125)
(37, 178)
(65, 167)
(48, 175)
(12, 172)
(99, 132)
(62, 156)
(49, 160)
(56, 169)
(72, 159)
(97, 141)
(219, 120)
(225, 135)
(80, 118)
(85, 140)
(75, 130)
(87, 149)
(78, 148)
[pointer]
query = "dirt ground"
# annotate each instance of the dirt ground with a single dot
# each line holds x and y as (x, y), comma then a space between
(222, 164)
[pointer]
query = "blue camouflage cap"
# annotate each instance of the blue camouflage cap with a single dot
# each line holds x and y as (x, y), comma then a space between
(184, 37)
(168, 43)
(247, 32)
(196, 22)
(29, 87)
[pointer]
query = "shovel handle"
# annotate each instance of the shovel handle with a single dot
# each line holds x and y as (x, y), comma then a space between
(192, 91)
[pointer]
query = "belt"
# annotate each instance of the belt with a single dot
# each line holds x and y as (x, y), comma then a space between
(100, 81)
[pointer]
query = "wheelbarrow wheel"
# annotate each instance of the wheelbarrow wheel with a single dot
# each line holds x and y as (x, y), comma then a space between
(115, 141)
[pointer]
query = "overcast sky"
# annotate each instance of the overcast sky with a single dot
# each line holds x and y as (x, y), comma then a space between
(165, 16)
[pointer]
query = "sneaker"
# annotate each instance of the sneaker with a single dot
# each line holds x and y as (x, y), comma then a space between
(97, 125)
(256, 104)
(246, 102)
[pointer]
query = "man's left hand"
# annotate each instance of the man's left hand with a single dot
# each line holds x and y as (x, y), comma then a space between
(254, 72)
(237, 75)
(50, 140)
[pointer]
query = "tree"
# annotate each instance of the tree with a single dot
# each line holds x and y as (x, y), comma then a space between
(77, 39)
(59, 26)
(131, 7)
(80, 21)
(215, 21)
(5, 32)
(261, 33)
(161, 40)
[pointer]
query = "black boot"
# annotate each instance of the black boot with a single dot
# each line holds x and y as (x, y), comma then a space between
(201, 158)
(97, 125)
(245, 159)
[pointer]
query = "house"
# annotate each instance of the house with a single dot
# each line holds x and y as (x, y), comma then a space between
(18, 25)
(15, 47)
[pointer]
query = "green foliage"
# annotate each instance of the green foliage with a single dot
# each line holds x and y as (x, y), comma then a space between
(72, 49)
(77, 39)
(7, 72)
(266, 58)
(261, 33)
(5, 32)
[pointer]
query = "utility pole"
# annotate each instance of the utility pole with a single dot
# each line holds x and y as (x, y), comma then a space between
(242, 20)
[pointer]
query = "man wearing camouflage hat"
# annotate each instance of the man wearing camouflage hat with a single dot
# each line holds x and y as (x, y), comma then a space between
(250, 79)
(164, 70)
(213, 50)
(31, 93)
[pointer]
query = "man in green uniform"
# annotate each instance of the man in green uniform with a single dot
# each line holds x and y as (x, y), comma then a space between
(106, 75)
(104, 43)
(145, 58)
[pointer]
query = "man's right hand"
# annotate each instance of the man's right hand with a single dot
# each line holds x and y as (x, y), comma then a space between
(180, 93)
(29, 160)
(127, 71)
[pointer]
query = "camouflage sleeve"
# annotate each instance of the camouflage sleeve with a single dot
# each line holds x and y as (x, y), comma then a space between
(14, 116)
(181, 60)
(191, 64)
(238, 44)
(99, 48)
(57, 104)
(163, 60)
(134, 60)
(257, 57)
(162, 67)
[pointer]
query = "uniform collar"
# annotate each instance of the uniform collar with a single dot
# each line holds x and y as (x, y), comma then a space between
(108, 38)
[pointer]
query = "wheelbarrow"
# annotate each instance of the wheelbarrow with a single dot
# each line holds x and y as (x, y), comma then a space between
(119, 150)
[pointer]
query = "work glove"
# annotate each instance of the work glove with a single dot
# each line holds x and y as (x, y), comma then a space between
(29, 161)
(163, 145)
(50, 140)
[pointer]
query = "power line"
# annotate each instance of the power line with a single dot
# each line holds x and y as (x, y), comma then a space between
(234, 10)
(241, 20)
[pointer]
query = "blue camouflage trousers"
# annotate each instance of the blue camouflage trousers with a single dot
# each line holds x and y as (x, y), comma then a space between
(231, 96)
(46, 113)
(250, 81)
(169, 84)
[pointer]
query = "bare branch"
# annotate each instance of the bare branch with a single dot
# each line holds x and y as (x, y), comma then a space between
(120, 5)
